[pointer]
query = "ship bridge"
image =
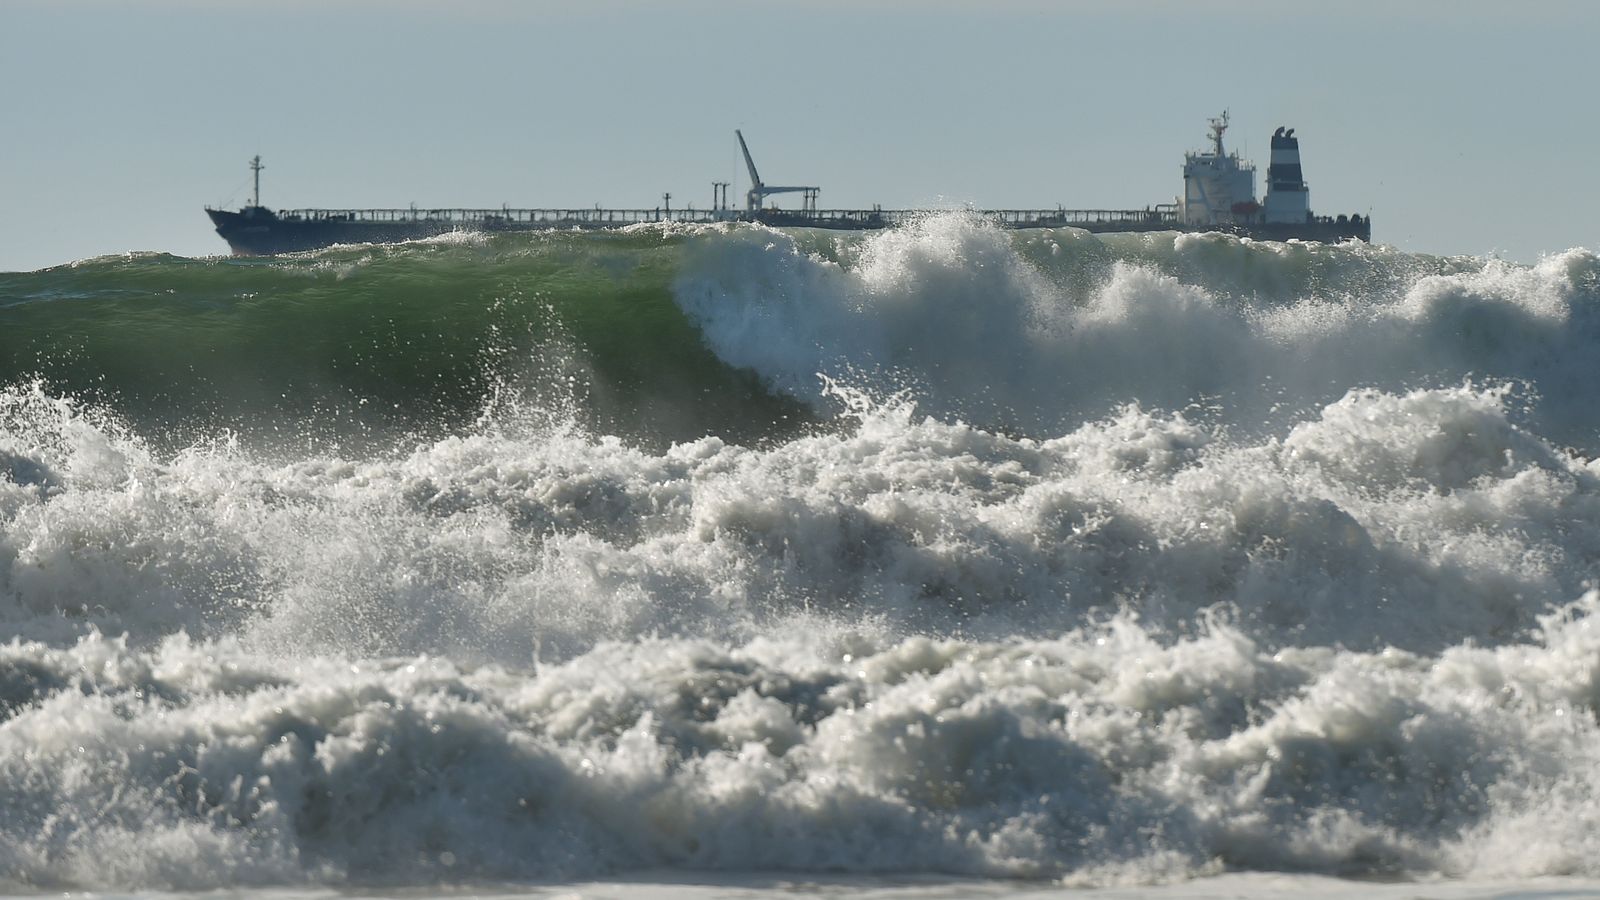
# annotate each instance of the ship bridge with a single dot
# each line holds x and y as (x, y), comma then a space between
(1219, 188)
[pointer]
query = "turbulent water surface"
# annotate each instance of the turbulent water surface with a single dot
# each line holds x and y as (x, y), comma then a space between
(944, 551)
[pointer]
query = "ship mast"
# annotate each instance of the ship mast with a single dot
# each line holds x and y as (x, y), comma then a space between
(256, 167)
(1218, 126)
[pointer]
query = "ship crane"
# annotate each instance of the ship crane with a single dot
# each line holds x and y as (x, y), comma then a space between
(759, 192)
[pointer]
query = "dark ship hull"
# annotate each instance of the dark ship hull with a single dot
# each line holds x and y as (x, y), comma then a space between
(258, 231)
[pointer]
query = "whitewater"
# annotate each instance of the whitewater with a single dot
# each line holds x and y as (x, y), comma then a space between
(939, 561)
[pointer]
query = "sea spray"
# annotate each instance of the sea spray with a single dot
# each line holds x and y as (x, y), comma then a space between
(1179, 555)
(987, 328)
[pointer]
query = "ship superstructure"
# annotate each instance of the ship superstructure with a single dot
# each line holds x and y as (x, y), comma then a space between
(1219, 188)
(1218, 195)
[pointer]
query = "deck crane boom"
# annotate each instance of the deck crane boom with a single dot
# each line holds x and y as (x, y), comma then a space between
(756, 197)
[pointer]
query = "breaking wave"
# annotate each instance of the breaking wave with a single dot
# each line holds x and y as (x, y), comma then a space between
(1115, 559)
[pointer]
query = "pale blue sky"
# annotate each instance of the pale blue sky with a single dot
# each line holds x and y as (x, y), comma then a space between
(1462, 127)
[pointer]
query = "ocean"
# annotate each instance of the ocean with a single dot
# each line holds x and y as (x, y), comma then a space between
(728, 561)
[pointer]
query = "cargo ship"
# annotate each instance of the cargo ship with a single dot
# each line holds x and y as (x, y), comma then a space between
(1218, 195)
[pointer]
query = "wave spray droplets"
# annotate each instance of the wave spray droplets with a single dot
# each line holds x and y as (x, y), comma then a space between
(1104, 559)
(1040, 331)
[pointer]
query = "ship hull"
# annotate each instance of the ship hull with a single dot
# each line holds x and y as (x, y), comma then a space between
(257, 231)
(1327, 231)
(254, 231)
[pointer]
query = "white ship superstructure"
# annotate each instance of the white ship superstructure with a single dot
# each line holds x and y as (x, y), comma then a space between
(1219, 188)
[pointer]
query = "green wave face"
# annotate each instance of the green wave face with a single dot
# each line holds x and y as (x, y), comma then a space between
(364, 344)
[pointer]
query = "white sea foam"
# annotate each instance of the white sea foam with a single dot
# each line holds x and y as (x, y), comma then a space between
(1104, 754)
(1000, 330)
(1276, 575)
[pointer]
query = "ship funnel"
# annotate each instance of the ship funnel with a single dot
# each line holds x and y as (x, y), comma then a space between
(1288, 198)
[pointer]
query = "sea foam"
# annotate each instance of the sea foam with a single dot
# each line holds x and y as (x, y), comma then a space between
(1108, 560)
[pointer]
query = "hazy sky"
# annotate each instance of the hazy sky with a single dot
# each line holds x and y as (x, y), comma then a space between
(1460, 126)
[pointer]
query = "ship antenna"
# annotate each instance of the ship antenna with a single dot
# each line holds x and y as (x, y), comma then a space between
(256, 167)
(1218, 126)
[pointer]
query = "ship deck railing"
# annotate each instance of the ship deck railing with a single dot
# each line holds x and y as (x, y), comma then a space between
(1081, 217)
(507, 217)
